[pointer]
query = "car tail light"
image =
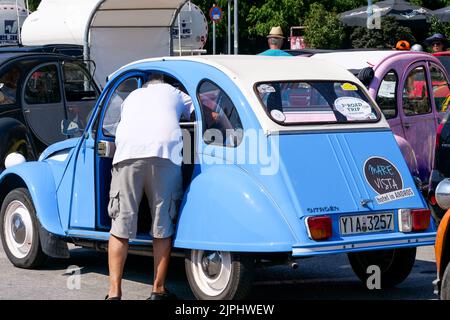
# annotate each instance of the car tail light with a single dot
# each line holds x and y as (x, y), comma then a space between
(404, 220)
(433, 200)
(420, 219)
(413, 220)
(320, 228)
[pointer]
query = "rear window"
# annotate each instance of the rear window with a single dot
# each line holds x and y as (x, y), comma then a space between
(312, 102)
(445, 60)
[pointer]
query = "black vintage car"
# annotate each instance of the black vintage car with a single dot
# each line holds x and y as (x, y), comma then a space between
(40, 89)
(441, 168)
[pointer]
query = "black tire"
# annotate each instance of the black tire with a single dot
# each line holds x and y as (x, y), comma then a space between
(445, 284)
(437, 213)
(395, 265)
(240, 279)
(35, 256)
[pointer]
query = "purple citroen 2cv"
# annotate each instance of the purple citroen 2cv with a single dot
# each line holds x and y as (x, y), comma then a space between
(411, 89)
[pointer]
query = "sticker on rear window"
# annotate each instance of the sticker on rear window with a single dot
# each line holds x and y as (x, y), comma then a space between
(277, 115)
(349, 87)
(353, 108)
(266, 88)
(386, 180)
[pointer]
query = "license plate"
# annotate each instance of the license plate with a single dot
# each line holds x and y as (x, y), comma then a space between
(366, 223)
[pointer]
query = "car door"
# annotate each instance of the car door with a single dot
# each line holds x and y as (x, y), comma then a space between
(418, 119)
(106, 132)
(43, 103)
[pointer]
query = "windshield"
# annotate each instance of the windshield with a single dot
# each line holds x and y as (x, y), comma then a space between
(310, 102)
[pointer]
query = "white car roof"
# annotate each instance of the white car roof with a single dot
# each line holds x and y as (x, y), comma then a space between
(356, 60)
(246, 70)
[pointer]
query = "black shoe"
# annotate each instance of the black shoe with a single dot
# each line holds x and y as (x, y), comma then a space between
(112, 298)
(162, 296)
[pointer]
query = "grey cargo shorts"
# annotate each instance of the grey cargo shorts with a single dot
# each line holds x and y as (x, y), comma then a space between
(160, 179)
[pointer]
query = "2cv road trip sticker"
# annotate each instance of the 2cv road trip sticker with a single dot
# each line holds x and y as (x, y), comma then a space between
(354, 108)
(385, 180)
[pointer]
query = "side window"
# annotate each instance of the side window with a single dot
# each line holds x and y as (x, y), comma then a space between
(8, 85)
(43, 106)
(441, 91)
(80, 93)
(114, 107)
(387, 95)
(43, 86)
(415, 93)
(221, 121)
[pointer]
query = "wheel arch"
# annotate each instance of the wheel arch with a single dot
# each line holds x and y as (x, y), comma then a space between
(37, 178)
(13, 135)
(233, 214)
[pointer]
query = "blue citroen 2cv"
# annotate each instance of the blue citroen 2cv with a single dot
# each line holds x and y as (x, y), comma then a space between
(282, 160)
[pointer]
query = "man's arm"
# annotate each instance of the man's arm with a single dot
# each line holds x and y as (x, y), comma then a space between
(188, 106)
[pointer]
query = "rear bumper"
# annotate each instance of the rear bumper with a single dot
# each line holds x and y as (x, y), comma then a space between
(398, 240)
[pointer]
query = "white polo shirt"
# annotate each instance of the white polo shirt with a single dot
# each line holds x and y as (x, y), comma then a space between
(149, 124)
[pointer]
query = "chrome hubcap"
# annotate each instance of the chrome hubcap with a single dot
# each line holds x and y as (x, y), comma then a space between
(18, 229)
(211, 264)
(211, 271)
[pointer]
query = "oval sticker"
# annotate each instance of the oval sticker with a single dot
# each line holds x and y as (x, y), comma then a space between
(382, 175)
(277, 115)
(353, 108)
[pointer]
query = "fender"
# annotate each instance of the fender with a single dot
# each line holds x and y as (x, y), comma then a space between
(14, 137)
(37, 177)
(442, 246)
(408, 154)
(226, 209)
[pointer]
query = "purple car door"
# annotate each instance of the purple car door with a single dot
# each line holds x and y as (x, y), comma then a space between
(417, 116)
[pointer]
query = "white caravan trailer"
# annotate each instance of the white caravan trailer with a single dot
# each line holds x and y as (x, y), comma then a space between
(12, 16)
(116, 32)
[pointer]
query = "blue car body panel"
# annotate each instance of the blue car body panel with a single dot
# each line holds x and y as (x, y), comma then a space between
(234, 206)
(38, 178)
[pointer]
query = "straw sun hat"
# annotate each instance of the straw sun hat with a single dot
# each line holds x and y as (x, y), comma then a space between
(276, 32)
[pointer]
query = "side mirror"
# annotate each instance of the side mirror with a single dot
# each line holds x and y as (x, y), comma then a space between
(70, 128)
(443, 194)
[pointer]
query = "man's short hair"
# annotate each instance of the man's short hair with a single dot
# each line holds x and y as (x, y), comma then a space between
(154, 78)
(276, 42)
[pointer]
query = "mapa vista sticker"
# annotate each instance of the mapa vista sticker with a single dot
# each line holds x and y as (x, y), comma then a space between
(353, 108)
(385, 180)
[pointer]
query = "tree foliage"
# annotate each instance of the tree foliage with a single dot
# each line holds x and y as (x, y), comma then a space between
(323, 28)
(33, 4)
(385, 38)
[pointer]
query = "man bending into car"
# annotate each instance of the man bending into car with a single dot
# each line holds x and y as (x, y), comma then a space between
(147, 139)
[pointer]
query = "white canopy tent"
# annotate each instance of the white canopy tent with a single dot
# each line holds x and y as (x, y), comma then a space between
(113, 32)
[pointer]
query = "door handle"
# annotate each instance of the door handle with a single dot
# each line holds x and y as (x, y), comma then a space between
(407, 126)
(106, 149)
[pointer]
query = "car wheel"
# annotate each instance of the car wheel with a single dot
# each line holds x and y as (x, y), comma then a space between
(445, 284)
(395, 265)
(216, 275)
(20, 230)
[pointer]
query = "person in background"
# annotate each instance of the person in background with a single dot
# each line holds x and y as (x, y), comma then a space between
(437, 42)
(403, 45)
(275, 40)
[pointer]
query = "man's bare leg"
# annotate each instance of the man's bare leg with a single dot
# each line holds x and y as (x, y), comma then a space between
(117, 255)
(161, 251)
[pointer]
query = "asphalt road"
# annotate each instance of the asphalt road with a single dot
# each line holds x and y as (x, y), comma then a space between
(327, 277)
